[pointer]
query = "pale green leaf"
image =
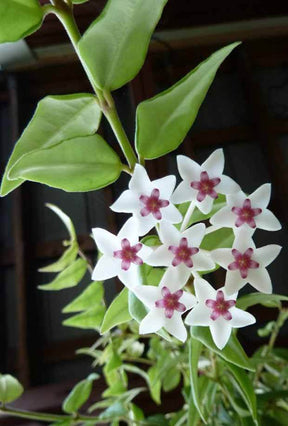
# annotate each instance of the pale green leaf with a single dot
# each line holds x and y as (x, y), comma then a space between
(117, 313)
(57, 118)
(195, 348)
(115, 45)
(75, 165)
(163, 121)
(90, 319)
(19, 18)
(10, 388)
(65, 260)
(91, 296)
(269, 300)
(70, 277)
(65, 219)
(79, 395)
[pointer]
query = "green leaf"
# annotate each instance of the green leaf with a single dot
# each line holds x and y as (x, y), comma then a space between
(171, 380)
(195, 348)
(19, 18)
(65, 260)
(79, 395)
(246, 389)
(79, 1)
(232, 352)
(164, 120)
(154, 384)
(90, 319)
(91, 296)
(115, 410)
(75, 165)
(10, 388)
(65, 219)
(117, 313)
(70, 277)
(115, 45)
(222, 238)
(57, 118)
(269, 300)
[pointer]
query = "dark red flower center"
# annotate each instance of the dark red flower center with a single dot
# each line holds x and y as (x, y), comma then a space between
(246, 214)
(170, 302)
(220, 306)
(128, 254)
(243, 262)
(153, 204)
(183, 253)
(205, 186)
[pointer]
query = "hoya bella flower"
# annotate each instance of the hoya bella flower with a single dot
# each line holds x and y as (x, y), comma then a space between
(181, 250)
(148, 201)
(122, 254)
(166, 304)
(246, 264)
(217, 310)
(248, 212)
(202, 184)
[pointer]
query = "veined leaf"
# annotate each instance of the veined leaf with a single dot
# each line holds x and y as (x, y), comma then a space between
(79, 395)
(117, 313)
(162, 122)
(195, 348)
(269, 300)
(10, 388)
(70, 277)
(90, 319)
(19, 18)
(115, 45)
(91, 296)
(57, 118)
(75, 165)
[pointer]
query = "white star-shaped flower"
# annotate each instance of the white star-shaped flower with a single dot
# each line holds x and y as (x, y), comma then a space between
(122, 254)
(180, 250)
(148, 201)
(166, 304)
(202, 184)
(217, 310)
(248, 211)
(246, 264)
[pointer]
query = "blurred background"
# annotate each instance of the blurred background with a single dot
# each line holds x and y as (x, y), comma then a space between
(245, 112)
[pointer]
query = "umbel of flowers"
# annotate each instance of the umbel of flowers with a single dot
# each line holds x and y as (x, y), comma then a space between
(153, 204)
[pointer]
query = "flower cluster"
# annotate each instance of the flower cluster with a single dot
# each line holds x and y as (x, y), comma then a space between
(152, 204)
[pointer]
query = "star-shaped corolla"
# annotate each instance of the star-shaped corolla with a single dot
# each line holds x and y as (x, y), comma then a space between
(217, 310)
(246, 264)
(202, 184)
(180, 250)
(166, 304)
(248, 211)
(148, 201)
(122, 254)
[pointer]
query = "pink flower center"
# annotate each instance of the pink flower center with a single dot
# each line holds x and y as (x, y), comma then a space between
(183, 253)
(243, 262)
(246, 214)
(220, 306)
(205, 186)
(153, 204)
(170, 302)
(128, 254)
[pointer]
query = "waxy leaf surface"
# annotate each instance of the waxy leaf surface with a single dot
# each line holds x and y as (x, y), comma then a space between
(91, 296)
(10, 388)
(70, 277)
(88, 319)
(117, 313)
(79, 395)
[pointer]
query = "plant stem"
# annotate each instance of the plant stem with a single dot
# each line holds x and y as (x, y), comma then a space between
(187, 216)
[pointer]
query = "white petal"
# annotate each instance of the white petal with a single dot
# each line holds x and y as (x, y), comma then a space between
(234, 282)
(160, 257)
(145, 252)
(106, 242)
(130, 231)
(130, 278)
(203, 290)
(106, 267)
(265, 255)
(240, 318)
(202, 261)
(153, 321)
(220, 331)
(222, 257)
(243, 239)
(171, 214)
(145, 224)
(268, 221)
(195, 234)
(165, 185)
(232, 296)
(206, 205)
(261, 197)
(169, 235)
(227, 185)
(189, 170)
(236, 200)
(128, 202)
(176, 327)
(214, 164)
(200, 315)
(260, 279)
(224, 217)
(148, 294)
(183, 193)
(174, 278)
(140, 181)
(189, 300)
